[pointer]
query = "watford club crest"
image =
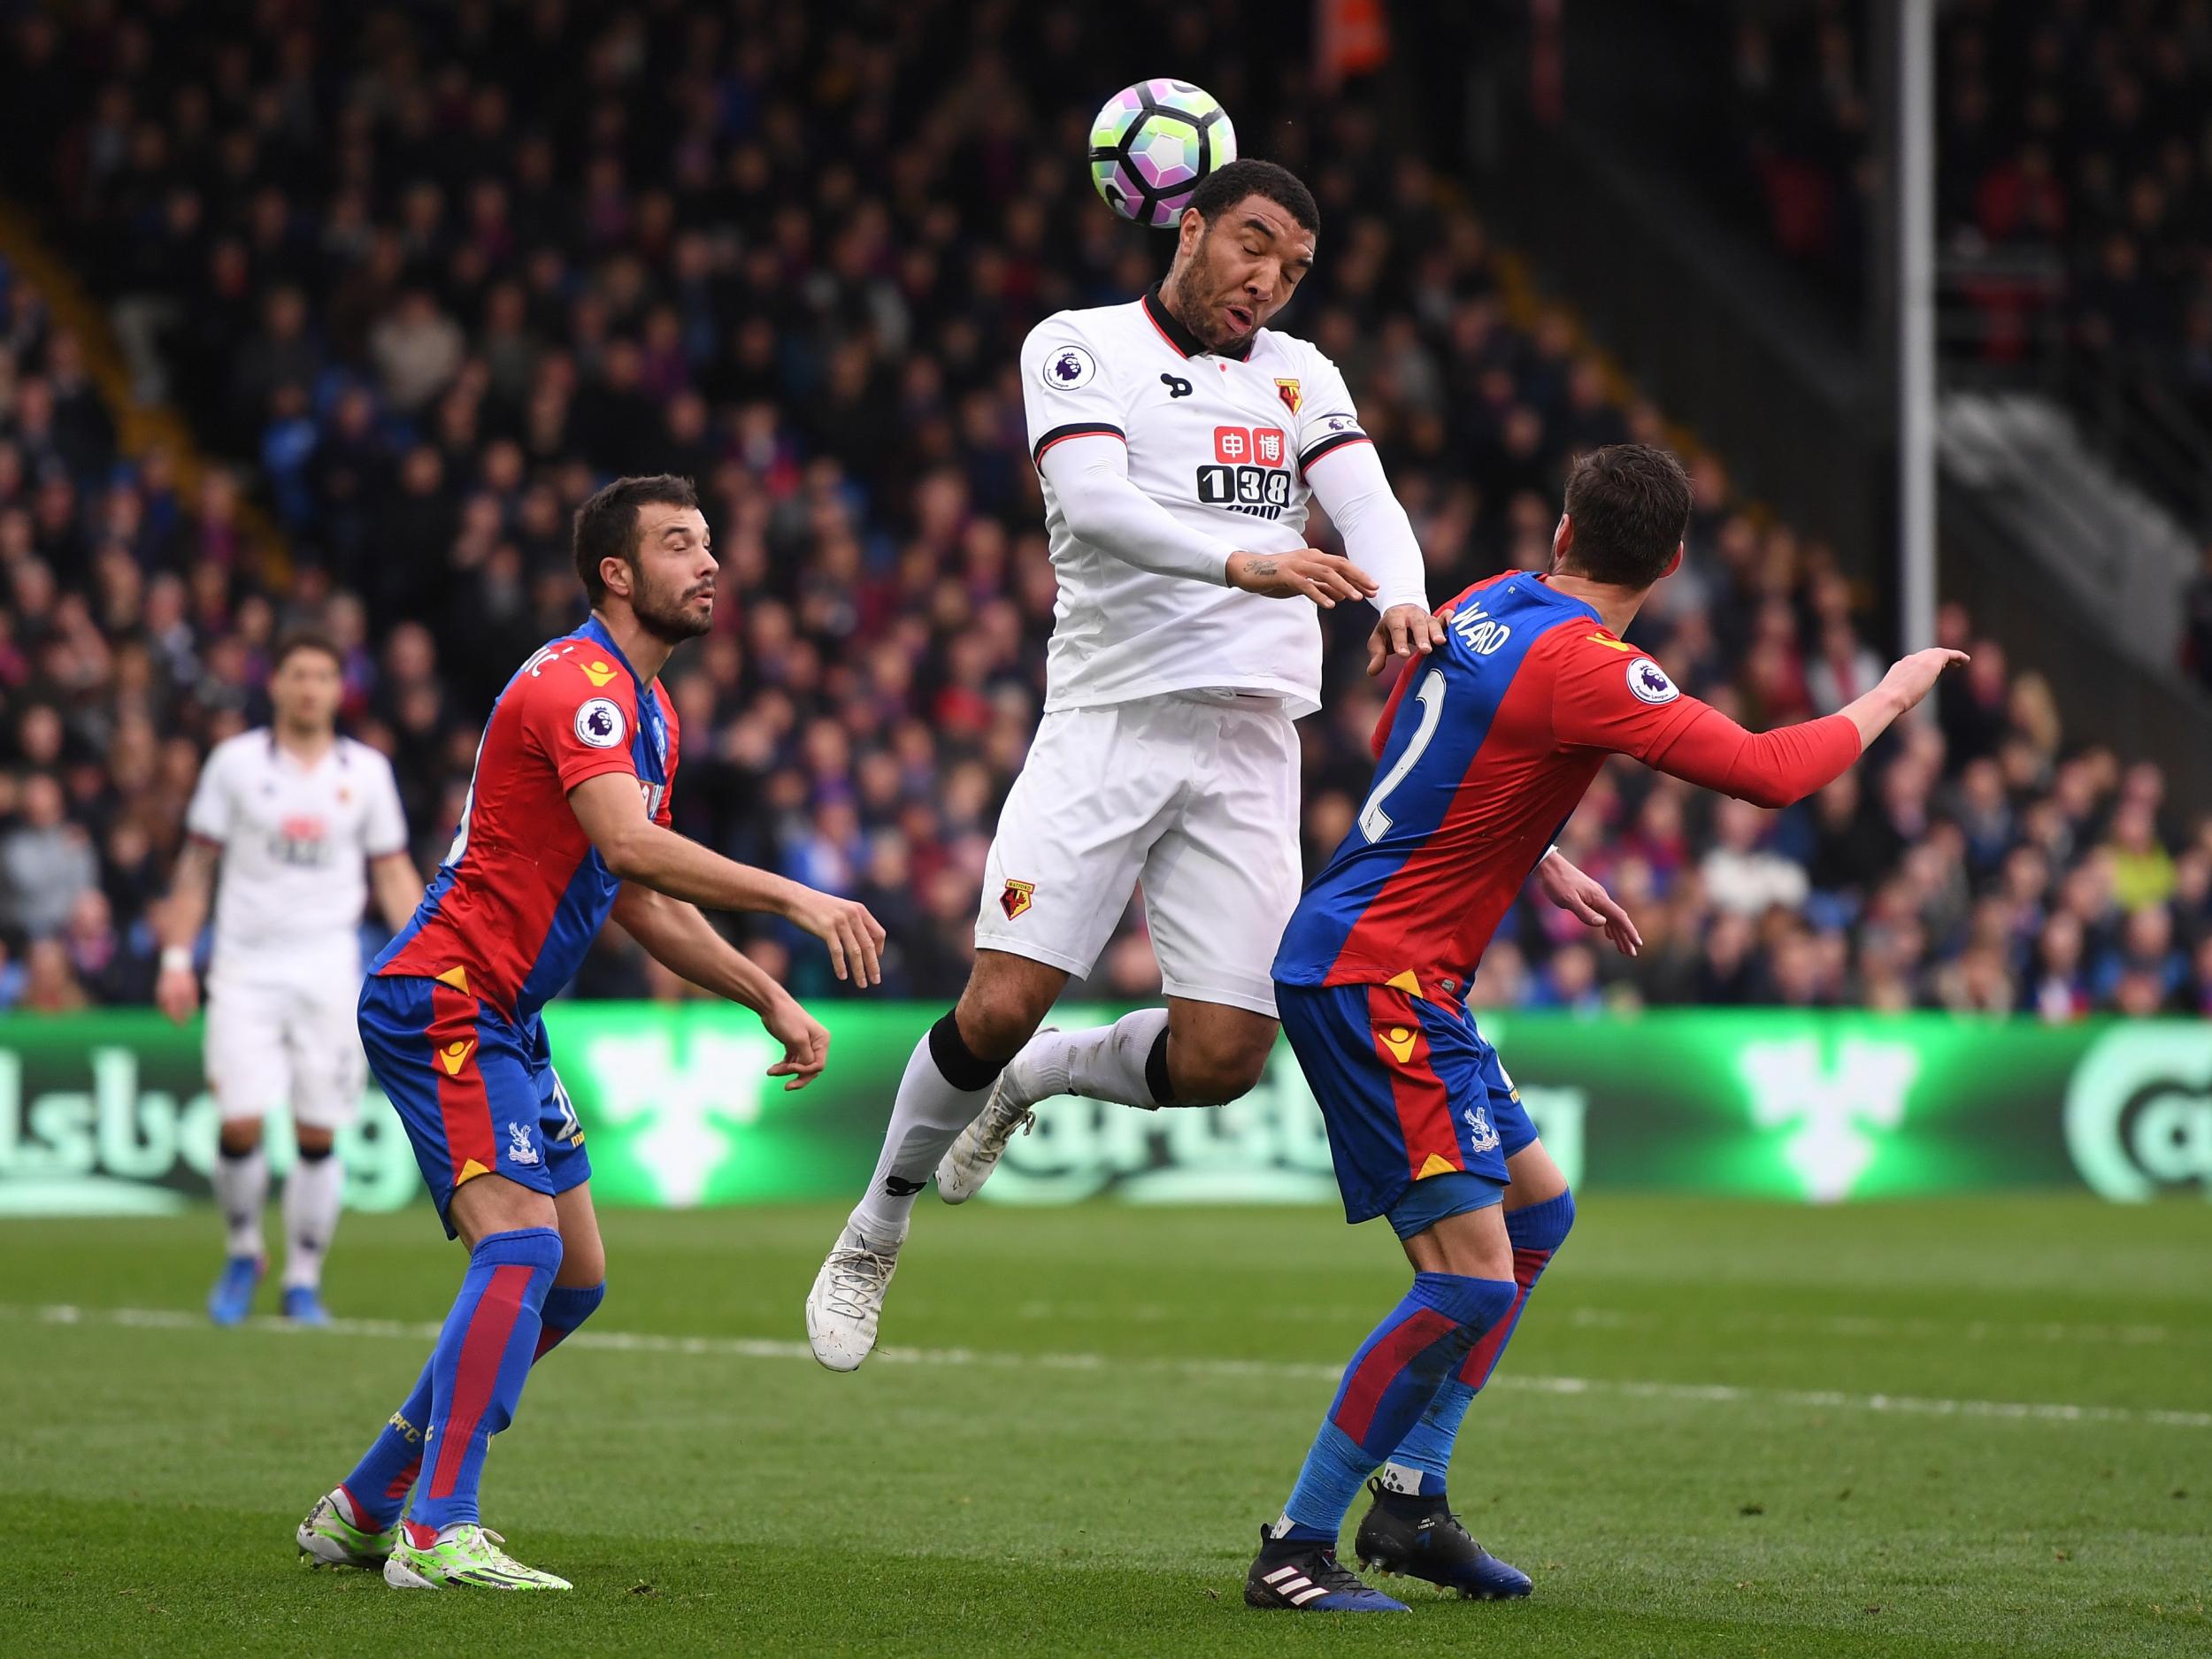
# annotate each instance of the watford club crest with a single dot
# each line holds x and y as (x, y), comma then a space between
(1294, 400)
(1016, 898)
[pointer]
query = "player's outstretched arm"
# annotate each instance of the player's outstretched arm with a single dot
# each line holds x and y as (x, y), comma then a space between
(1774, 769)
(611, 813)
(682, 939)
(1608, 696)
(1908, 681)
(178, 922)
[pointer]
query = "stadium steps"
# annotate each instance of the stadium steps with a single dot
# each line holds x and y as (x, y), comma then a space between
(1703, 326)
(1708, 330)
(2040, 544)
(141, 426)
(2118, 557)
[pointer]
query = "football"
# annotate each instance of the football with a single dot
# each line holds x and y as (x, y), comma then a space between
(1153, 142)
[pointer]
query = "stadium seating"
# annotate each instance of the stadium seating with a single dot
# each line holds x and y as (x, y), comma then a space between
(2072, 188)
(420, 328)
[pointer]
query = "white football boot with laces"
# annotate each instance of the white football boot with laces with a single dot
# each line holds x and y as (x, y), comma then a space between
(847, 1301)
(1009, 1112)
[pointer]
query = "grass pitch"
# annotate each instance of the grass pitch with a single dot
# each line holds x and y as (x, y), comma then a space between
(1978, 1428)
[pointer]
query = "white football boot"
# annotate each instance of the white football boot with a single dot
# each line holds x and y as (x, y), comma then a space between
(1009, 1112)
(847, 1301)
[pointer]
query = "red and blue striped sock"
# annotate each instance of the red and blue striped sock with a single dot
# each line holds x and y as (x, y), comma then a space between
(478, 1369)
(377, 1487)
(566, 1307)
(1386, 1388)
(1418, 1466)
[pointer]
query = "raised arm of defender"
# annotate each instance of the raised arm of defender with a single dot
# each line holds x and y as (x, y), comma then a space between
(1606, 701)
(612, 814)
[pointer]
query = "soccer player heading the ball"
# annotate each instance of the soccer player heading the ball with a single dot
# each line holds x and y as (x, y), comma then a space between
(1180, 442)
(566, 823)
(1481, 755)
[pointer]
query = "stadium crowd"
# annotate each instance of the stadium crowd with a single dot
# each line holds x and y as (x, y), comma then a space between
(2068, 129)
(2073, 187)
(422, 278)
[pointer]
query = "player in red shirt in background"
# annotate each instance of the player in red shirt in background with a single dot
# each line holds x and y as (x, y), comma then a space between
(1483, 752)
(567, 823)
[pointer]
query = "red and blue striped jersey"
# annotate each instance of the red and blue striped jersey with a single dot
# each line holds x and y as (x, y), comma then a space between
(523, 892)
(1483, 752)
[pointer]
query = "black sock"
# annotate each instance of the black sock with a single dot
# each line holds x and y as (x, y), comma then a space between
(962, 1067)
(1408, 1506)
(1155, 1076)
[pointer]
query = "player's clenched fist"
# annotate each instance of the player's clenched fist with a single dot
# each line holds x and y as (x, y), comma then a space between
(854, 937)
(805, 1043)
(1308, 574)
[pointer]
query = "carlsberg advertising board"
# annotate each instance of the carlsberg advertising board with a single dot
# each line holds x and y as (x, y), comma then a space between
(108, 1112)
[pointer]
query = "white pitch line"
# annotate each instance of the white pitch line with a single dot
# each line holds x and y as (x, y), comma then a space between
(1854, 1327)
(1881, 1326)
(763, 1347)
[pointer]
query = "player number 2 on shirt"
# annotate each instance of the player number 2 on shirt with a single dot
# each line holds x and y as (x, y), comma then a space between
(1374, 823)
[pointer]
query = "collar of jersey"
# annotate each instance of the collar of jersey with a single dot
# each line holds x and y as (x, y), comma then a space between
(594, 629)
(1537, 581)
(1172, 331)
(284, 756)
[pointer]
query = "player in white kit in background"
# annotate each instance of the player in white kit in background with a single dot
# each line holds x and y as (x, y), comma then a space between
(1180, 443)
(299, 820)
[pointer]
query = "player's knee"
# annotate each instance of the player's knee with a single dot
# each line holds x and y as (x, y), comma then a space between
(240, 1136)
(1216, 1077)
(583, 1263)
(994, 1024)
(314, 1144)
(490, 1205)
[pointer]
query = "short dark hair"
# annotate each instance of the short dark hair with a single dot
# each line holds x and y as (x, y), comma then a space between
(1630, 506)
(1225, 187)
(606, 524)
(293, 640)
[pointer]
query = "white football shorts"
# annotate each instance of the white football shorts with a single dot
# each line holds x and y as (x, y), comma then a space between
(274, 1044)
(1195, 796)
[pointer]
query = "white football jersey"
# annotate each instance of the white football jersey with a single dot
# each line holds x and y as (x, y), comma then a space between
(1221, 443)
(296, 842)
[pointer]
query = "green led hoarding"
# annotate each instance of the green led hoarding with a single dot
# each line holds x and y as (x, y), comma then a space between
(107, 1111)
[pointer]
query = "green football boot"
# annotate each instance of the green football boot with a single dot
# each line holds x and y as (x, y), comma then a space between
(470, 1558)
(326, 1538)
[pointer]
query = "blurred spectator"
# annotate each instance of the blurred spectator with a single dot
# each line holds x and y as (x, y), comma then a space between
(49, 982)
(46, 862)
(1744, 877)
